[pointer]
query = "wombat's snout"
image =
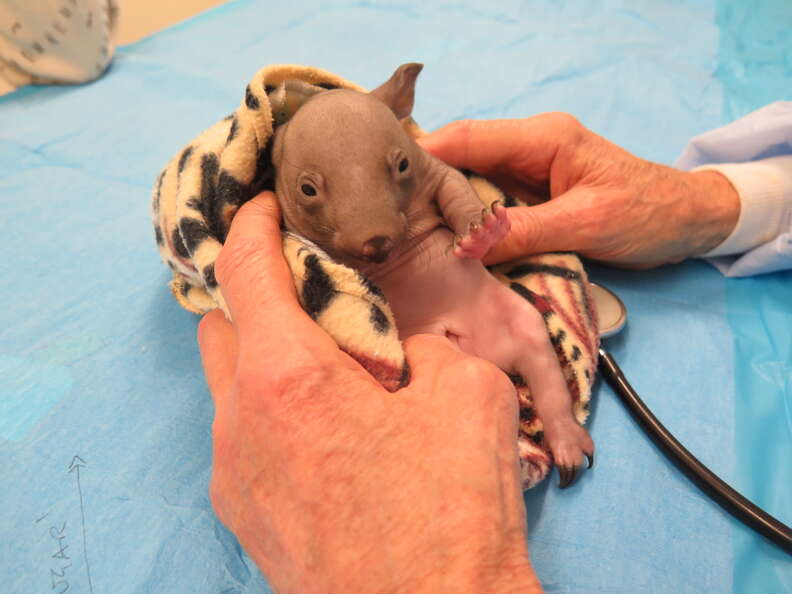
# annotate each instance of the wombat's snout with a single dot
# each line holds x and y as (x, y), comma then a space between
(377, 248)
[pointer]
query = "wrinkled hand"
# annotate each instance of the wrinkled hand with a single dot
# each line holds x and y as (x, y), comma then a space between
(589, 195)
(332, 484)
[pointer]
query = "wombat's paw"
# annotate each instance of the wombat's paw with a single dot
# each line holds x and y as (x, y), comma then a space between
(569, 443)
(481, 236)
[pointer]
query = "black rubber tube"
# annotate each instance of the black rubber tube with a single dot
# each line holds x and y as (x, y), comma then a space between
(721, 493)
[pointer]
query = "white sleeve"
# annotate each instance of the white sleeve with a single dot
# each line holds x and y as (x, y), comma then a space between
(54, 41)
(755, 154)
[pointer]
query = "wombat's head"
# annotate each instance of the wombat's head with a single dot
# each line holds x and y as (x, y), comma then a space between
(346, 169)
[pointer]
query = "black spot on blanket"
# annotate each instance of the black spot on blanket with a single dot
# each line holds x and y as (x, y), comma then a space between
(558, 338)
(327, 86)
(250, 99)
(232, 131)
(523, 269)
(371, 287)
(537, 437)
(209, 276)
(576, 353)
(318, 289)
(509, 200)
(523, 292)
(207, 203)
(229, 190)
(184, 157)
(178, 244)
(264, 178)
(209, 167)
(193, 232)
(378, 319)
(158, 234)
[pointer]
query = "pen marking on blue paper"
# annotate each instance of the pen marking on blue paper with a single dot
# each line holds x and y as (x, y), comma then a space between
(42, 517)
(58, 576)
(75, 465)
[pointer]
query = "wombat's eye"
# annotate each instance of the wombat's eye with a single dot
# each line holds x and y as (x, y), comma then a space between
(308, 190)
(403, 164)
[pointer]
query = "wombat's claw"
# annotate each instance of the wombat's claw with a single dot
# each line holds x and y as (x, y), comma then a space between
(566, 476)
(453, 245)
(568, 442)
(482, 235)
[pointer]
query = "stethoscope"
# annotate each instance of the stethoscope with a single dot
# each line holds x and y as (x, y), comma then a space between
(612, 316)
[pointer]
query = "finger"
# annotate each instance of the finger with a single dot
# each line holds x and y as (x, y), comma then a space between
(257, 283)
(218, 344)
(557, 225)
(528, 194)
(523, 148)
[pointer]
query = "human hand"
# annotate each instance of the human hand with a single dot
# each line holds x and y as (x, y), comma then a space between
(587, 194)
(332, 484)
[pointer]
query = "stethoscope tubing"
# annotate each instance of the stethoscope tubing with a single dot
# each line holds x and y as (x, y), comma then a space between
(720, 492)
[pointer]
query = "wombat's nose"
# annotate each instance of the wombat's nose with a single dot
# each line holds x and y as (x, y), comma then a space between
(377, 248)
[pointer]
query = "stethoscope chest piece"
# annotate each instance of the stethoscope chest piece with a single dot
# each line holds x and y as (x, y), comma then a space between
(611, 313)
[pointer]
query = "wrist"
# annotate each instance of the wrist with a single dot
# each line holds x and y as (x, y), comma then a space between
(715, 210)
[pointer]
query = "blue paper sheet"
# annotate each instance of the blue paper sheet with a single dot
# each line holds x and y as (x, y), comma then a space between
(105, 419)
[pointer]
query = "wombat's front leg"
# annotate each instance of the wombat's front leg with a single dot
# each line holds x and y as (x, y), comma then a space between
(477, 228)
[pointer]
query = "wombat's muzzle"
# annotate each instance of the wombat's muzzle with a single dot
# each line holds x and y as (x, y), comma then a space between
(377, 249)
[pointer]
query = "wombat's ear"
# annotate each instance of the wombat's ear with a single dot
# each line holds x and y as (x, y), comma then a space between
(399, 92)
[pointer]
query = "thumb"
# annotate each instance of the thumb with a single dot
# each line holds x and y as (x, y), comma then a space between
(218, 344)
(558, 225)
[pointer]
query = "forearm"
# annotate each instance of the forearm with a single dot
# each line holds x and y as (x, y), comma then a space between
(458, 202)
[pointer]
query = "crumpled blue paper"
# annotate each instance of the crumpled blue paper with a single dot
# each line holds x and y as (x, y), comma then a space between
(105, 444)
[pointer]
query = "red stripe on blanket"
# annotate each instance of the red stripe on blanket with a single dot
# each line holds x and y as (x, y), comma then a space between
(391, 376)
(584, 339)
